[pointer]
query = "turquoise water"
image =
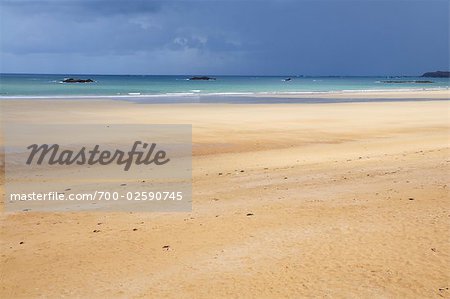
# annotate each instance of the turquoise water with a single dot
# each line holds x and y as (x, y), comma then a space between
(134, 85)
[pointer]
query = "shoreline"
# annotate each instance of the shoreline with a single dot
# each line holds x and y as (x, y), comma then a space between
(349, 95)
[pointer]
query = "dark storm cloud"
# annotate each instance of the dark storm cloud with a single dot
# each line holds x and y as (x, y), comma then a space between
(229, 37)
(97, 27)
(87, 7)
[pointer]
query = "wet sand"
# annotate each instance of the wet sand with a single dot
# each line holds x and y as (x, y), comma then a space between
(289, 200)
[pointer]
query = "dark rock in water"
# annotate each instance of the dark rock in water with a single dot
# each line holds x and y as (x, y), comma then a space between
(406, 81)
(72, 80)
(202, 78)
(437, 74)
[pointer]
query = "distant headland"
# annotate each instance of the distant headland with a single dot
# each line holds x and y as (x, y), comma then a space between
(437, 74)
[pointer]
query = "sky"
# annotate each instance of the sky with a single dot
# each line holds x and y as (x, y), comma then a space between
(217, 37)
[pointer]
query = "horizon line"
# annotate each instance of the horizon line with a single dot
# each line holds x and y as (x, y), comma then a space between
(217, 75)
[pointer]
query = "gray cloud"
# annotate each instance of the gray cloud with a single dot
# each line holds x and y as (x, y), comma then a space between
(234, 37)
(85, 7)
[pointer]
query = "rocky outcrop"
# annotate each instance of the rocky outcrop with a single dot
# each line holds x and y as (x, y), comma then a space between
(72, 80)
(437, 74)
(205, 78)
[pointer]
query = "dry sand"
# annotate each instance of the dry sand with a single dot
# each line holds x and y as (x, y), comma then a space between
(335, 200)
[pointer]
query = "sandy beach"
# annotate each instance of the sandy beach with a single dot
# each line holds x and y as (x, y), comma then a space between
(289, 200)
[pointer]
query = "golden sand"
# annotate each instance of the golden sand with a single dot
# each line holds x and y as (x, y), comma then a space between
(325, 200)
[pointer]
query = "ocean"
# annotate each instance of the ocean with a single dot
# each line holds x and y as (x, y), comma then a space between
(38, 85)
